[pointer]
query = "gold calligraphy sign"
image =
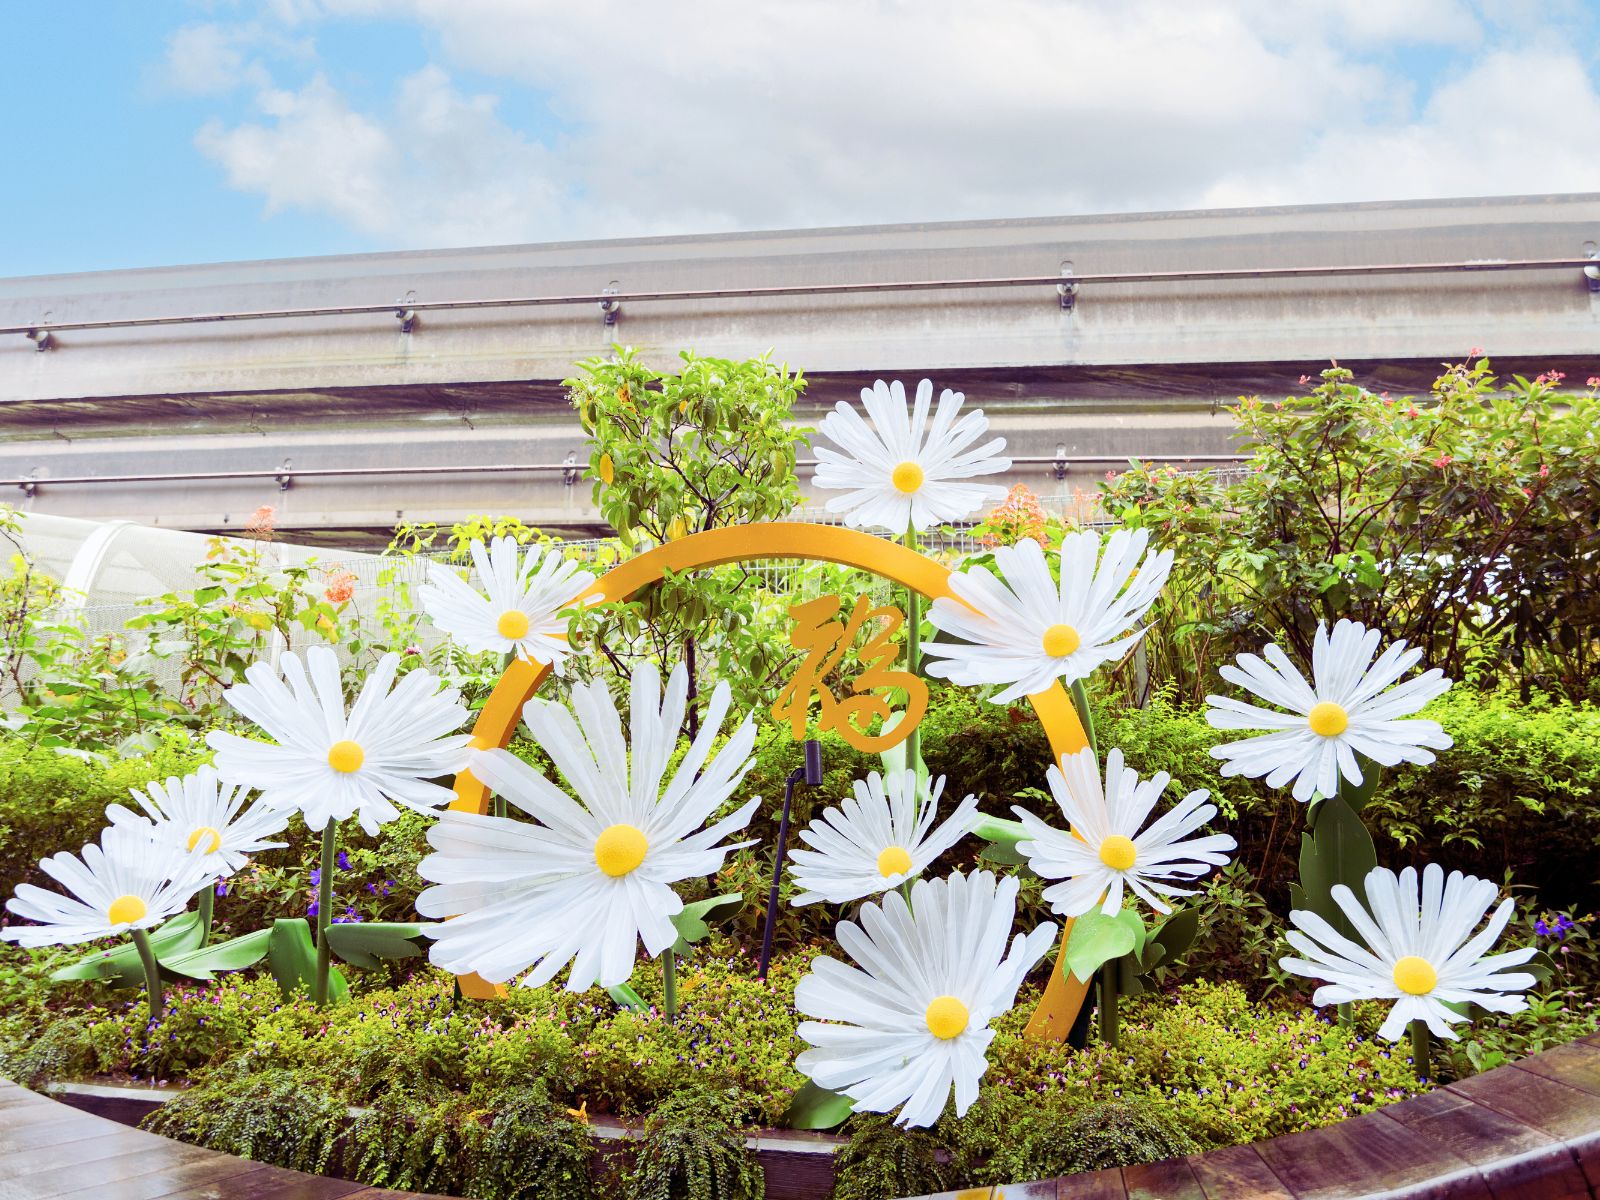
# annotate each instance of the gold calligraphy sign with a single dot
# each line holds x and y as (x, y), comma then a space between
(825, 638)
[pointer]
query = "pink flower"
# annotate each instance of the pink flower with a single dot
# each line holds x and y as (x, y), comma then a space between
(1475, 352)
(1594, 381)
(1412, 411)
(1443, 461)
(1304, 379)
(1544, 470)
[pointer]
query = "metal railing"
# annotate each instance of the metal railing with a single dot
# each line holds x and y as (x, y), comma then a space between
(286, 475)
(1066, 284)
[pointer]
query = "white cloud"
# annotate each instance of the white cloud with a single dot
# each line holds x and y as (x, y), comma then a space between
(208, 60)
(440, 169)
(741, 114)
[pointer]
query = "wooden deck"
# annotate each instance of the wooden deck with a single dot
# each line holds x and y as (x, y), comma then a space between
(1530, 1131)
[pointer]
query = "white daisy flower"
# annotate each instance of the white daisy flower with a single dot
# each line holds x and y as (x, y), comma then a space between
(526, 594)
(1343, 712)
(1106, 850)
(878, 840)
(199, 810)
(904, 471)
(1418, 952)
(913, 1018)
(130, 880)
(330, 765)
(1029, 631)
(592, 875)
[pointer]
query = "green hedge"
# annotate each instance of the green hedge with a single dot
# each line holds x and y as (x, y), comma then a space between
(1519, 792)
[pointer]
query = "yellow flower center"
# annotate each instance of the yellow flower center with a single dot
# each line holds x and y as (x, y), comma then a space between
(894, 861)
(126, 909)
(907, 477)
(1415, 976)
(512, 625)
(345, 757)
(1118, 852)
(1328, 719)
(1061, 640)
(620, 849)
(947, 1017)
(208, 835)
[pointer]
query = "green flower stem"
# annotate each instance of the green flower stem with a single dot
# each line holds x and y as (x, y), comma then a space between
(1346, 1012)
(152, 974)
(1108, 1004)
(1080, 701)
(208, 900)
(324, 903)
(1421, 1057)
(669, 985)
(913, 653)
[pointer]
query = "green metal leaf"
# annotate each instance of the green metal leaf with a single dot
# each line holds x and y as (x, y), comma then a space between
(120, 967)
(816, 1107)
(365, 943)
(1177, 933)
(232, 955)
(625, 997)
(691, 922)
(1336, 849)
(292, 956)
(1095, 940)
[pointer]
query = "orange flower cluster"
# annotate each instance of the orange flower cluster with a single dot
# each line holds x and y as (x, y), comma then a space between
(340, 588)
(259, 524)
(1016, 518)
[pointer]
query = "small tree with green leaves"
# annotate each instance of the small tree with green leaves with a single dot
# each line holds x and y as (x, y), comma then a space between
(678, 453)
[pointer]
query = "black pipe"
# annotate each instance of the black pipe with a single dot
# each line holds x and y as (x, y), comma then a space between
(811, 775)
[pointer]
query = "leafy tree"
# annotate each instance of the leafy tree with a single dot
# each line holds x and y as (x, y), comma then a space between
(679, 453)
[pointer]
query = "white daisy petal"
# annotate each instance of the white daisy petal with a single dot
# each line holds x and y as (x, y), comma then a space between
(1104, 850)
(591, 875)
(915, 1014)
(519, 610)
(904, 470)
(329, 766)
(1028, 631)
(1417, 950)
(1351, 706)
(883, 836)
(199, 810)
(133, 879)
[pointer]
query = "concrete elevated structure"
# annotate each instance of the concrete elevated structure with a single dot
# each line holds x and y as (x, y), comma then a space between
(358, 401)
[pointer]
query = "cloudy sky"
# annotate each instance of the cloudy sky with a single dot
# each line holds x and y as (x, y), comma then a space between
(147, 133)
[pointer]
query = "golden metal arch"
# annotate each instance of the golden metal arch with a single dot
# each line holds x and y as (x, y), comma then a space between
(497, 721)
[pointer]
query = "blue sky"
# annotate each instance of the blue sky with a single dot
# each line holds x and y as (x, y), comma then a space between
(147, 134)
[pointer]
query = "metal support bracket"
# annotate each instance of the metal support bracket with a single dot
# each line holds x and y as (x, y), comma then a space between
(284, 476)
(1067, 289)
(571, 472)
(1059, 467)
(1591, 272)
(610, 310)
(42, 339)
(404, 313)
(29, 487)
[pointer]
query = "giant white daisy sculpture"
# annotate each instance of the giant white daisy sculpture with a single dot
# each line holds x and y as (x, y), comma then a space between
(1352, 706)
(1109, 848)
(591, 875)
(199, 810)
(907, 469)
(883, 836)
(396, 739)
(1419, 949)
(1026, 630)
(911, 1020)
(128, 881)
(519, 609)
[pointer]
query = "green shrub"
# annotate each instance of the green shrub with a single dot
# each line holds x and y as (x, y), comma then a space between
(692, 1149)
(278, 1116)
(51, 801)
(883, 1162)
(1112, 1134)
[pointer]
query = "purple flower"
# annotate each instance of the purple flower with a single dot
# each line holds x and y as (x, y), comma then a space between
(344, 861)
(316, 876)
(311, 909)
(222, 887)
